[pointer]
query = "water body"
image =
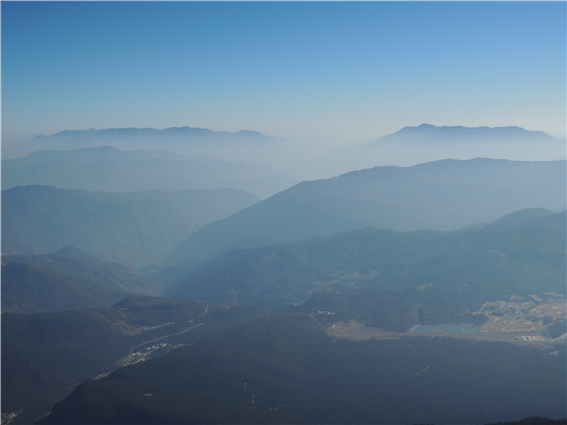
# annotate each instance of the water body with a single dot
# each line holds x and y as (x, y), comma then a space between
(451, 329)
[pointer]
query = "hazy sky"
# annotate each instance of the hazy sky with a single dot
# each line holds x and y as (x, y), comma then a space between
(331, 70)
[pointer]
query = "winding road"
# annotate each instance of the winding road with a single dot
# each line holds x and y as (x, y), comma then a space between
(125, 362)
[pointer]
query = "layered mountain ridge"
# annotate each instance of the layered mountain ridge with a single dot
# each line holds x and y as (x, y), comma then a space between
(521, 253)
(442, 195)
(426, 143)
(111, 170)
(179, 139)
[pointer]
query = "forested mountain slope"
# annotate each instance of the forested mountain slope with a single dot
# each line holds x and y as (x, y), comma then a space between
(521, 253)
(70, 279)
(286, 369)
(44, 356)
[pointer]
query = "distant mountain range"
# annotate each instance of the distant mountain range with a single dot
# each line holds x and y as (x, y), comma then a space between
(406, 147)
(427, 133)
(425, 143)
(179, 139)
(193, 133)
(70, 279)
(133, 228)
(442, 195)
(111, 170)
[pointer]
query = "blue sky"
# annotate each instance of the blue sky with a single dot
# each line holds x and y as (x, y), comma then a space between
(352, 71)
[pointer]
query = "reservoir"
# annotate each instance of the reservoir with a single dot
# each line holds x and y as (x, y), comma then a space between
(450, 329)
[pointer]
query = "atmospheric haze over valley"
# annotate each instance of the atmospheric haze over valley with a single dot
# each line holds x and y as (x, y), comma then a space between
(283, 213)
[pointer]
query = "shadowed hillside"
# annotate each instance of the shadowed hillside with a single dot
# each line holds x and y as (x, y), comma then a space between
(134, 228)
(521, 253)
(45, 356)
(285, 369)
(69, 279)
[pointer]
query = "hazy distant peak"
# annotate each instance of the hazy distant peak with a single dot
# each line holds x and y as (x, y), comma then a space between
(432, 133)
(187, 140)
(249, 133)
(68, 135)
(420, 129)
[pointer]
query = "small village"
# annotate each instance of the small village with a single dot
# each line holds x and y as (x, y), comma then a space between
(524, 316)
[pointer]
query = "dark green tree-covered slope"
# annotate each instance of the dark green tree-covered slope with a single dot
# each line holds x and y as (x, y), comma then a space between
(70, 279)
(290, 273)
(44, 355)
(132, 228)
(522, 253)
(285, 369)
(442, 195)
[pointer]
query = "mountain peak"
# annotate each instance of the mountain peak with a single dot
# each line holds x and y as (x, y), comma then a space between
(431, 133)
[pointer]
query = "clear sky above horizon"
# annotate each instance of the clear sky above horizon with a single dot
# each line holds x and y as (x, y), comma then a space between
(342, 70)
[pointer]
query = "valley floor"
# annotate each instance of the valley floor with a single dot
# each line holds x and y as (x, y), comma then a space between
(519, 321)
